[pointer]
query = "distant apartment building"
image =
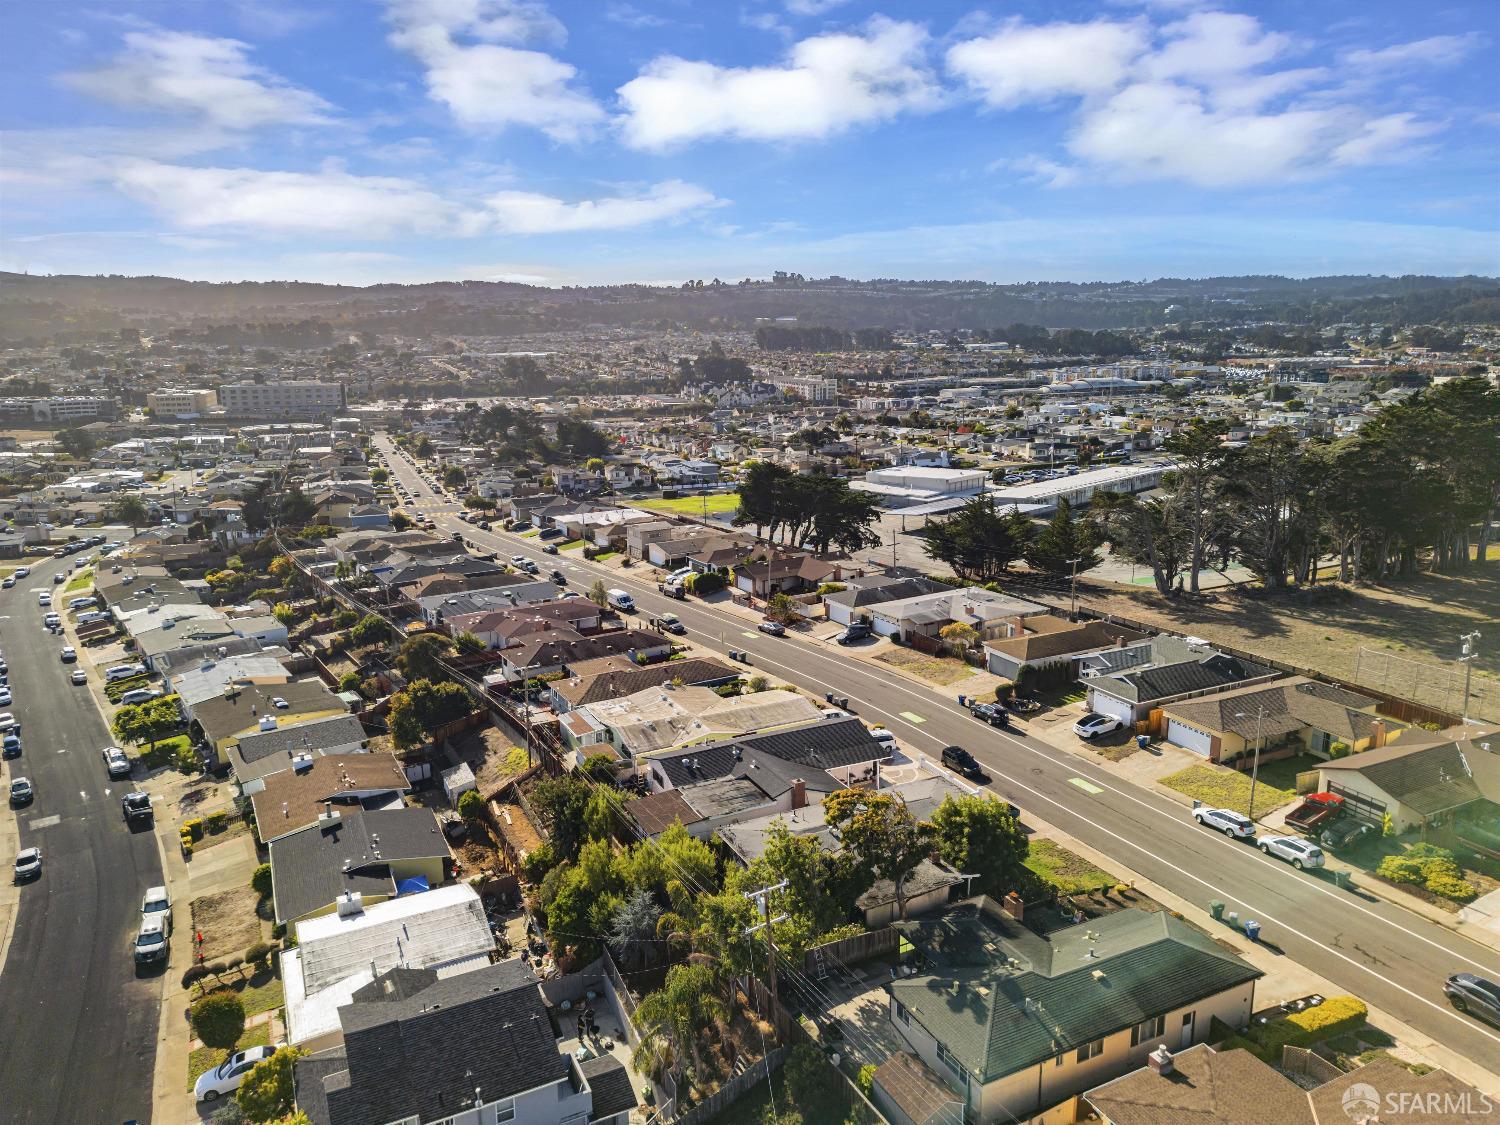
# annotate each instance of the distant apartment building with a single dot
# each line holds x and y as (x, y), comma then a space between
(59, 410)
(293, 399)
(182, 402)
(809, 387)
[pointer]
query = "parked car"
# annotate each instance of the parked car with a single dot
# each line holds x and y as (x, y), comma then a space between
(8, 581)
(21, 792)
(152, 941)
(226, 1078)
(23, 572)
(1226, 821)
(10, 745)
(79, 676)
(992, 713)
(960, 760)
(672, 623)
(549, 548)
(1475, 995)
(8, 723)
(883, 736)
(1295, 850)
(1344, 833)
(773, 628)
(137, 808)
(68, 654)
(5, 696)
(115, 761)
(43, 598)
(156, 900)
(1094, 724)
(28, 864)
(857, 631)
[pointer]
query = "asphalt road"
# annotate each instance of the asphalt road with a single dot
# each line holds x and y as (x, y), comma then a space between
(80, 1026)
(1391, 957)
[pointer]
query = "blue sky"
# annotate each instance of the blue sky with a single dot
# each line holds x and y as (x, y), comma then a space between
(582, 141)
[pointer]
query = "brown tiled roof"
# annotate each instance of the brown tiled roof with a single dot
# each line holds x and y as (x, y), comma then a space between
(660, 811)
(1289, 704)
(1203, 1086)
(1049, 637)
(292, 799)
(917, 1090)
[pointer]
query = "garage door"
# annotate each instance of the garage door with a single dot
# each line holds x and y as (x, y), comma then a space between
(1180, 734)
(1109, 705)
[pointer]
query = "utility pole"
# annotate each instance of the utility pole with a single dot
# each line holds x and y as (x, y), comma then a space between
(762, 899)
(1073, 613)
(1470, 650)
(1260, 717)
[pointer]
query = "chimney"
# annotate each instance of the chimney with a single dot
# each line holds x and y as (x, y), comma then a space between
(1160, 1060)
(799, 793)
(1377, 734)
(1013, 906)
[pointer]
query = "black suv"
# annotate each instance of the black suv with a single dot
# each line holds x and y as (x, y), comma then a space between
(137, 808)
(857, 631)
(991, 713)
(959, 759)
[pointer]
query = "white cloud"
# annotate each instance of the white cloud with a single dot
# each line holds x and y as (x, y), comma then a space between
(525, 212)
(1385, 140)
(1021, 63)
(492, 83)
(285, 203)
(178, 72)
(1438, 50)
(1214, 47)
(827, 84)
(1041, 170)
(812, 7)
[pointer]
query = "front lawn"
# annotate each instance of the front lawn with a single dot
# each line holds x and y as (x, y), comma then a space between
(164, 753)
(532, 534)
(1283, 772)
(572, 544)
(603, 556)
(719, 503)
(1068, 871)
(1225, 788)
(80, 581)
(201, 1059)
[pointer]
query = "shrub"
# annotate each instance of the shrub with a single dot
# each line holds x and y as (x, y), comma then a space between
(219, 1019)
(1400, 869)
(233, 964)
(1336, 1016)
(757, 684)
(535, 866)
(193, 828)
(266, 1093)
(218, 821)
(185, 760)
(259, 954)
(1338, 750)
(1452, 887)
(193, 974)
(867, 1079)
(471, 804)
(260, 880)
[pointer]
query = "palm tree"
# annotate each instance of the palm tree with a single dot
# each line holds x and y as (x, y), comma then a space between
(670, 1017)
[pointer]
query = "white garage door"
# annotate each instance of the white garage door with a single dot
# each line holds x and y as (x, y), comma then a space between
(1109, 705)
(1179, 734)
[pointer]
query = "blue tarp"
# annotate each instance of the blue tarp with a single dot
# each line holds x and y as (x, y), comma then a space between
(416, 884)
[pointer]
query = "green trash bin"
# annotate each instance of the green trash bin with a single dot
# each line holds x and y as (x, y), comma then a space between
(1216, 908)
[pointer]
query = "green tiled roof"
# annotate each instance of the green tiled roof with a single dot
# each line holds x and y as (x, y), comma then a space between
(1000, 998)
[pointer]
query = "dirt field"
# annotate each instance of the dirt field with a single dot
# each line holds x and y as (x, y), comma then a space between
(935, 669)
(227, 922)
(1402, 638)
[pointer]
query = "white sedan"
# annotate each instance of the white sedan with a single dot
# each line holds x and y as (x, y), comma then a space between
(1295, 850)
(1226, 821)
(1093, 725)
(226, 1078)
(79, 676)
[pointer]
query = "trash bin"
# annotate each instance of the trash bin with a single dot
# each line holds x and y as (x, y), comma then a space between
(1252, 929)
(1216, 908)
(1142, 741)
(828, 697)
(963, 700)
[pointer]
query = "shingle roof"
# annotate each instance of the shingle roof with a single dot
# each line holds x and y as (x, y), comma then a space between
(225, 716)
(313, 735)
(1204, 1086)
(424, 1055)
(1289, 705)
(1054, 642)
(611, 1086)
(657, 812)
(812, 749)
(1171, 680)
(1427, 779)
(307, 867)
(619, 677)
(1026, 999)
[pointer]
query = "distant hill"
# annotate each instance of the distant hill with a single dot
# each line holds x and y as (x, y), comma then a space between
(70, 308)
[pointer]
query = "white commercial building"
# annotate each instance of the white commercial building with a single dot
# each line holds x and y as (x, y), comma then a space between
(1079, 488)
(905, 485)
(187, 402)
(304, 398)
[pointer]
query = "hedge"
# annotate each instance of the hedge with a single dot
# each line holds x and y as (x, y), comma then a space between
(1431, 867)
(219, 1019)
(1336, 1016)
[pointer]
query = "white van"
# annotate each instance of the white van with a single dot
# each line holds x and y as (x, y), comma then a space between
(621, 601)
(123, 672)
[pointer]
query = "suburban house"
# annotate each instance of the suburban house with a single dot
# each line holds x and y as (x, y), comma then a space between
(337, 954)
(353, 856)
(246, 709)
(842, 747)
(538, 654)
(659, 718)
(1164, 671)
(1046, 1017)
(757, 785)
(1420, 780)
(471, 1049)
(294, 798)
(861, 594)
(610, 677)
(502, 628)
(1046, 640)
(1235, 1088)
(990, 614)
(497, 593)
(261, 753)
(1286, 717)
(786, 574)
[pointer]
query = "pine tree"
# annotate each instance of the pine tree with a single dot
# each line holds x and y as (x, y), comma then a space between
(1063, 541)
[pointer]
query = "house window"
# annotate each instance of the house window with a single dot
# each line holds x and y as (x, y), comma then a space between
(506, 1110)
(1090, 1050)
(1149, 1029)
(952, 1064)
(902, 1014)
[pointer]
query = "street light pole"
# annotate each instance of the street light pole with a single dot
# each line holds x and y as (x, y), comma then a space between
(1073, 613)
(1469, 651)
(1260, 717)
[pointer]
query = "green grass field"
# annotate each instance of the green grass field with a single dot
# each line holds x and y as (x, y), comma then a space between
(719, 504)
(80, 581)
(1067, 871)
(1227, 789)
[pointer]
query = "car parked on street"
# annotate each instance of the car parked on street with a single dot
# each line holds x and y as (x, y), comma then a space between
(28, 864)
(10, 745)
(772, 628)
(1094, 724)
(156, 900)
(137, 808)
(226, 1078)
(115, 761)
(22, 792)
(68, 654)
(152, 941)
(5, 696)
(992, 713)
(1474, 995)
(1226, 821)
(79, 676)
(958, 759)
(1295, 850)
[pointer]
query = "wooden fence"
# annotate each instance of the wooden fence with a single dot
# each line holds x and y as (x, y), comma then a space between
(1300, 1060)
(850, 949)
(727, 1094)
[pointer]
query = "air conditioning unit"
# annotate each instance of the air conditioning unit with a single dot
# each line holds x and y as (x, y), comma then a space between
(350, 903)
